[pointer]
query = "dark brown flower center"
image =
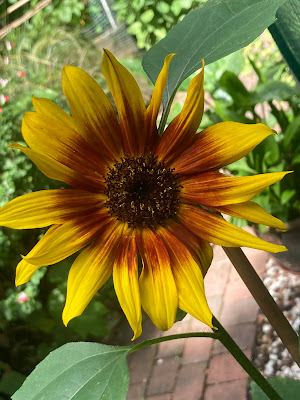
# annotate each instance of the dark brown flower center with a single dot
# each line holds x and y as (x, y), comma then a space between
(142, 191)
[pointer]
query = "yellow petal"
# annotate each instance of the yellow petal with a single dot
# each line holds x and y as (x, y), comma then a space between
(154, 106)
(252, 212)
(48, 107)
(157, 285)
(53, 138)
(129, 102)
(47, 207)
(125, 274)
(188, 278)
(92, 112)
(90, 271)
(200, 249)
(220, 145)
(181, 131)
(67, 239)
(25, 270)
(54, 170)
(215, 229)
(216, 189)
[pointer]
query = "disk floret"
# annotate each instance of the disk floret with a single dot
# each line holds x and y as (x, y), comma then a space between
(142, 191)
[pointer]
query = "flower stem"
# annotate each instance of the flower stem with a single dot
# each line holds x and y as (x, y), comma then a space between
(149, 342)
(265, 301)
(237, 353)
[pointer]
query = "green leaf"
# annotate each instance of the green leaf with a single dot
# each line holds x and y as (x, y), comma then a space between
(291, 133)
(216, 29)
(296, 159)
(147, 16)
(287, 195)
(231, 83)
(163, 7)
(10, 382)
(79, 371)
(180, 315)
(273, 90)
(91, 322)
(287, 388)
(241, 168)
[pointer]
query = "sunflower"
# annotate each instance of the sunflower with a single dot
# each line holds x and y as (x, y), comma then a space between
(135, 195)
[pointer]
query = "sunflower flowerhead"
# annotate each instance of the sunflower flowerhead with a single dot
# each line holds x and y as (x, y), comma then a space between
(135, 193)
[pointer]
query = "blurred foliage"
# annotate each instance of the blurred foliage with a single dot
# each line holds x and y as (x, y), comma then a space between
(150, 20)
(274, 100)
(56, 13)
(32, 57)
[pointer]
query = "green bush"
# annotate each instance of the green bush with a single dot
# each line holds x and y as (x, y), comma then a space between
(150, 20)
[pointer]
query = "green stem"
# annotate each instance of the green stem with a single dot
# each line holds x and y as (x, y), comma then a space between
(265, 301)
(172, 337)
(237, 353)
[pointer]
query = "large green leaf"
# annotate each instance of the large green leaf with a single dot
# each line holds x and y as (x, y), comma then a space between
(79, 371)
(288, 388)
(217, 28)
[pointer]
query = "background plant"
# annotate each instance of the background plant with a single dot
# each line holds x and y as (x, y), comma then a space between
(33, 66)
(32, 57)
(150, 20)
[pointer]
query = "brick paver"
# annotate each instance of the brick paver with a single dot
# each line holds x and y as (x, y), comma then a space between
(140, 364)
(236, 289)
(170, 348)
(224, 368)
(244, 310)
(136, 391)
(196, 350)
(201, 368)
(217, 275)
(167, 396)
(243, 335)
(190, 382)
(232, 390)
(163, 376)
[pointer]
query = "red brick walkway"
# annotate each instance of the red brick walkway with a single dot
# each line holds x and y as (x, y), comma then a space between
(201, 368)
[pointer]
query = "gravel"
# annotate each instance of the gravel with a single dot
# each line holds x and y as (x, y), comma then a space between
(270, 356)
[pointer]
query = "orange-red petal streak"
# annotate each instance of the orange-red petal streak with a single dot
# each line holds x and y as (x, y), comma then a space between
(155, 104)
(200, 249)
(68, 238)
(53, 138)
(55, 170)
(126, 282)
(91, 270)
(92, 112)
(181, 131)
(47, 207)
(215, 229)
(130, 104)
(157, 286)
(216, 189)
(219, 145)
(188, 278)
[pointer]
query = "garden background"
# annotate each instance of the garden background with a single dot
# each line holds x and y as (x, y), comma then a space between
(37, 39)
